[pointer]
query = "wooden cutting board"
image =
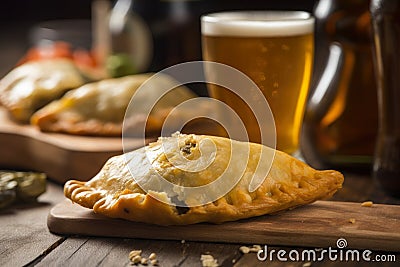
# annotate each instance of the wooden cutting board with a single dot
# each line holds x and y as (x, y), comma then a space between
(61, 156)
(316, 225)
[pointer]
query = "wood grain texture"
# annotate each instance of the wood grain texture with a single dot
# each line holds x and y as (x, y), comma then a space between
(62, 157)
(23, 232)
(81, 251)
(317, 225)
(25, 238)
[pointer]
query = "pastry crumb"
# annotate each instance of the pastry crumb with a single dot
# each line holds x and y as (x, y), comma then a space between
(137, 259)
(367, 204)
(352, 220)
(255, 248)
(135, 256)
(246, 250)
(134, 253)
(307, 264)
(144, 261)
(208, 261)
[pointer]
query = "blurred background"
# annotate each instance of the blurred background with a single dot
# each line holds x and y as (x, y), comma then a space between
(340, 126)
(174, 24)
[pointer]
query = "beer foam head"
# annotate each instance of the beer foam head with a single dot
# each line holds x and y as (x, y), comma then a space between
(257, 23)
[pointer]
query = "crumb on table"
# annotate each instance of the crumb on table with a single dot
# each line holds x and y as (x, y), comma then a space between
(208, 261)
(352, 220)
(367, 204)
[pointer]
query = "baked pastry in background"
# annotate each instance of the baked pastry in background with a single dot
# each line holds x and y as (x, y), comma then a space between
(34, 84)
(115, 191)
(98, 108)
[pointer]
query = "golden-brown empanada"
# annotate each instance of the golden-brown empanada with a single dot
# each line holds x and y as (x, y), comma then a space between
(98, 108)
(115, 190)
(34, 84)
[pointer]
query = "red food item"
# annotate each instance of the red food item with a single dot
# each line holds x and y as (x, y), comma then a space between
(81, 57)
(84, 58)
(54, 50)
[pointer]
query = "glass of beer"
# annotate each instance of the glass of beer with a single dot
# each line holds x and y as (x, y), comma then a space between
(275, 49)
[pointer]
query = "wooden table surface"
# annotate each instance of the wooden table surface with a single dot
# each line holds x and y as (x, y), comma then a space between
(26, 240)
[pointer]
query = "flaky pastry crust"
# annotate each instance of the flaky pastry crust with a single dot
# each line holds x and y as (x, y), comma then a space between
(115, 193)
(98, 108)
(32, 85)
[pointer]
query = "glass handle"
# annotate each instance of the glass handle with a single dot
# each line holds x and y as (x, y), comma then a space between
(326, 87)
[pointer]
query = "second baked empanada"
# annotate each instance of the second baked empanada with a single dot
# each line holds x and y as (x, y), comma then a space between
(195, 161)
(98, 108)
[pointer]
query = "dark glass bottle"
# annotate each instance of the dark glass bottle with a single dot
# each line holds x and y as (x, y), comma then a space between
(341, 118)
(386, 29)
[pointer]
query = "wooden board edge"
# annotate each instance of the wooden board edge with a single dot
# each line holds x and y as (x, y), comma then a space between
(62, 226)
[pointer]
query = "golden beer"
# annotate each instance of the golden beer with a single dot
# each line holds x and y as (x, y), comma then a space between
(275, 49)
